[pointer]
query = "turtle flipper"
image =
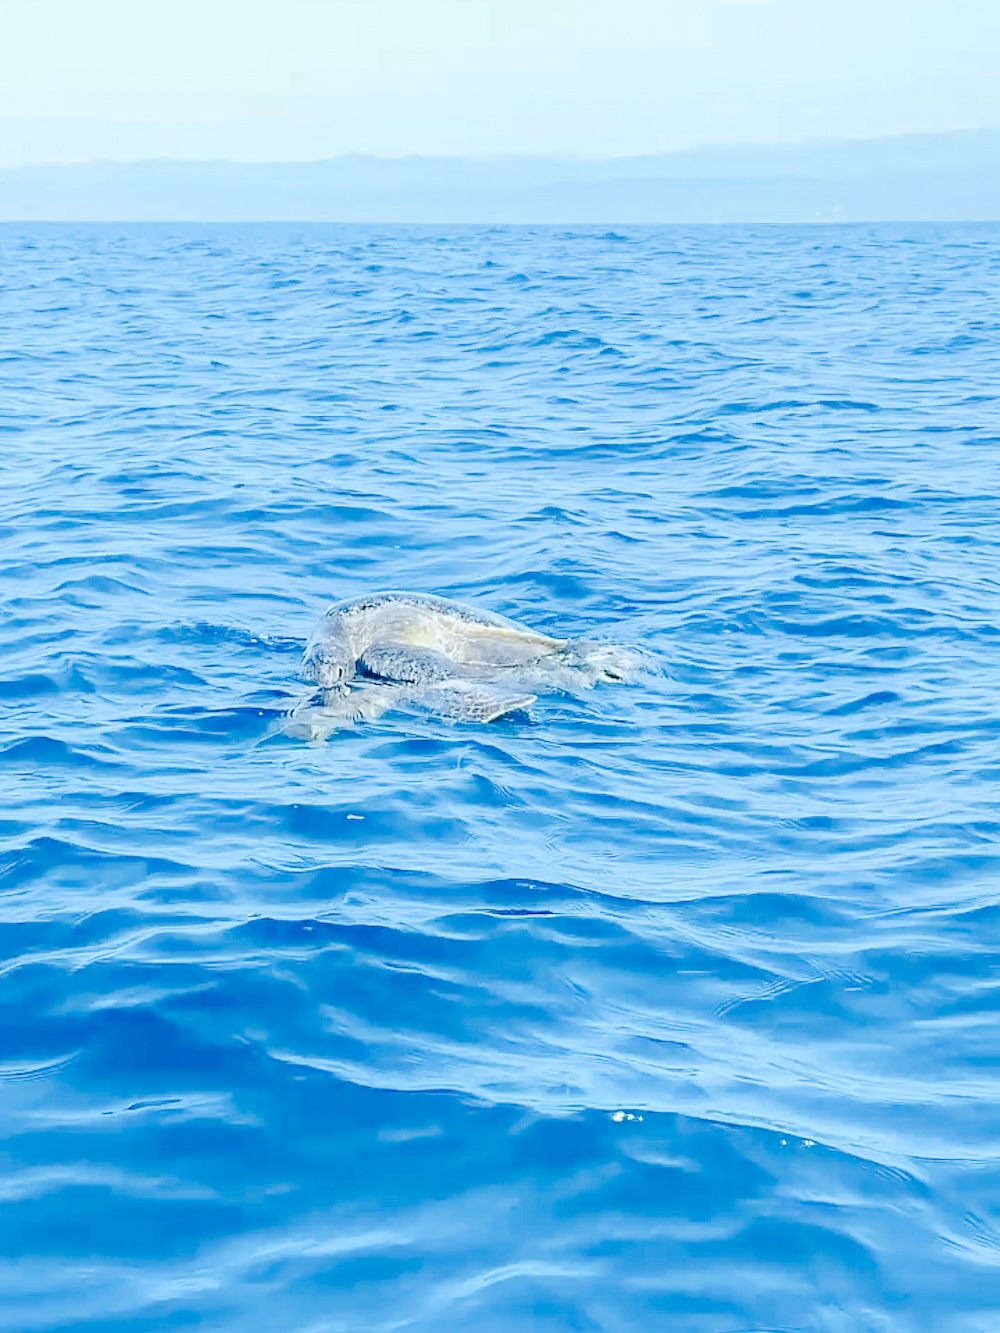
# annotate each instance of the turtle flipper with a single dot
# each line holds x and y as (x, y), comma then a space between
(315, 721)
(461, 700)
(592, 662)
(411, 666)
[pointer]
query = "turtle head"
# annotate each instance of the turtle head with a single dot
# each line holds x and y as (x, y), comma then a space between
(329, 658)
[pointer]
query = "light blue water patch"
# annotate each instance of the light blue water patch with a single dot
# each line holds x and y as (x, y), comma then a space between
(671, 1005)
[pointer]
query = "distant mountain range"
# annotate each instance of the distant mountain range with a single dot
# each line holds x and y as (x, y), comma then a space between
(939, 177)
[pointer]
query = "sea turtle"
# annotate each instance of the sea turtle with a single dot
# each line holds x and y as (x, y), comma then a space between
(405, 648)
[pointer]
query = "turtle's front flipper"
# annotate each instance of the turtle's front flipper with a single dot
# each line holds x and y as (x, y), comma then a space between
(315, 721)
(461, 700)
(410, 666)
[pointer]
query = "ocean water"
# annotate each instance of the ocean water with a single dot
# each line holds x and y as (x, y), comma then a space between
(672, 1005)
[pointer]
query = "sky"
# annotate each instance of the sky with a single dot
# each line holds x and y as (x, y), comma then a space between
(298, 80)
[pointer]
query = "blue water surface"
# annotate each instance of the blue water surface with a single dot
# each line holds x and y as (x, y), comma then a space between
(671, 1006)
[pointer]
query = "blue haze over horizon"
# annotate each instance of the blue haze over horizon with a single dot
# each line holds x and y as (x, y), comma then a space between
(915, 178)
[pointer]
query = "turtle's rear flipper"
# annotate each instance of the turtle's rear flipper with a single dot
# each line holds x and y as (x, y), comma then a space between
(471, 700)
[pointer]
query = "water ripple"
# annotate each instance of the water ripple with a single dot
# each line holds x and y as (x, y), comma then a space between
(670, 1006)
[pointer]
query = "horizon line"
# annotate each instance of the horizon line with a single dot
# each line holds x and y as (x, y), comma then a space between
(725, 146)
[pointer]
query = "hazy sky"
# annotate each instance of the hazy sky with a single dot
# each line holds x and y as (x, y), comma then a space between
(266, 80)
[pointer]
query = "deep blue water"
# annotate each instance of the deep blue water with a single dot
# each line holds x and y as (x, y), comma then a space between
(671, 1006)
